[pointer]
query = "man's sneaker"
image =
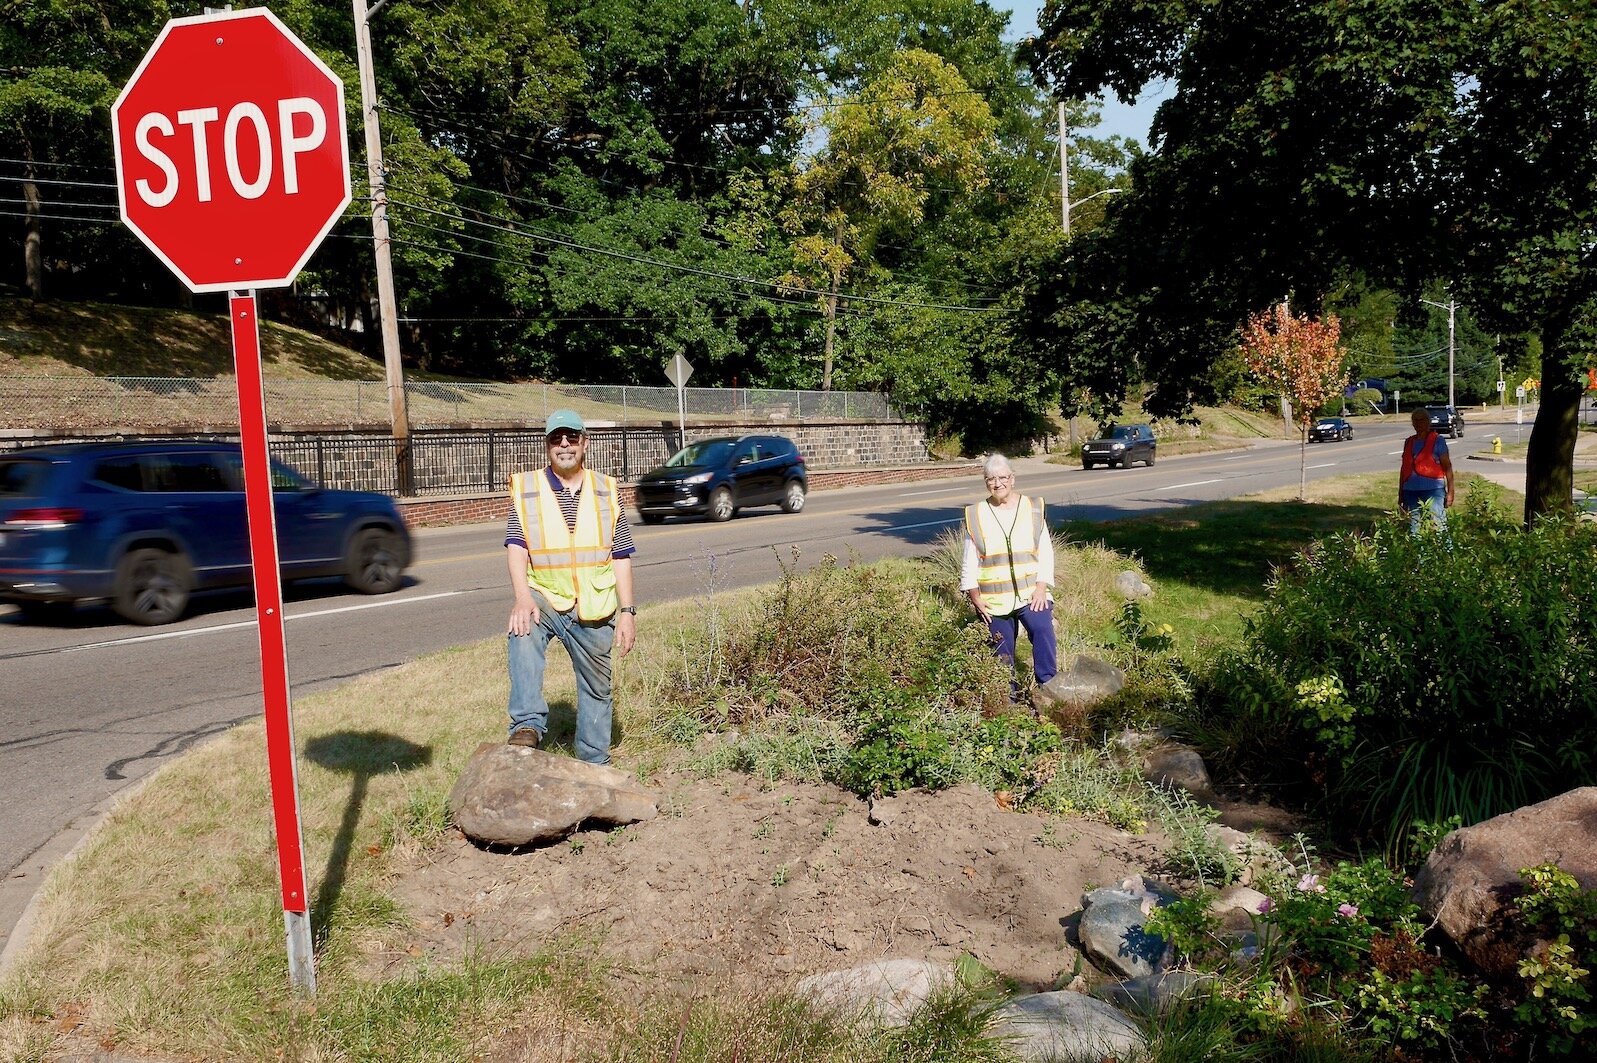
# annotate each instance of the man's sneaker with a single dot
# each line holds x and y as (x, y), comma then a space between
(524, 736)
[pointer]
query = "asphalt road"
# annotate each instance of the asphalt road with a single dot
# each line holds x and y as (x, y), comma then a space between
(92, 705)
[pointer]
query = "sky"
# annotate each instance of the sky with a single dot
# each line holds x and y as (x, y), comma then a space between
(1118, 119)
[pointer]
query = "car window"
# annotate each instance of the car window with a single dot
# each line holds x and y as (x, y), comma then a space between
(777, 447)
(746, 449)
(125, 472)
(182, 473)
(23, 478)
(1123, 433)
(283, 477)
(709, 452)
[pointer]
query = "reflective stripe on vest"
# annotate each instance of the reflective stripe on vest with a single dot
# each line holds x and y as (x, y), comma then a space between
(1005, 573)
(570, 566)
(1425, 463)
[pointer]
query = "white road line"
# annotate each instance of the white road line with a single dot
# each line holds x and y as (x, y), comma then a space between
(290, 617)
(939, 491)
(1239, 457)
(1195, 483)
(1327, 465)
(922, 524)
(1392, 452)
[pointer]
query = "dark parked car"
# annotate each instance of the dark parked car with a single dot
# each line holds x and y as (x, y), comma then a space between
(1329, 429)
(720, 476)
(1121, 445)
(1446, 420)
(146, 524)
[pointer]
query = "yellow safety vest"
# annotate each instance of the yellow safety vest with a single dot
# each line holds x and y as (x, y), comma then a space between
(570, 567)
(1007, 571)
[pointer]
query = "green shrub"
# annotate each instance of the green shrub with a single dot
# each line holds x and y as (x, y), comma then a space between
(1412, 679)
(1557, 975)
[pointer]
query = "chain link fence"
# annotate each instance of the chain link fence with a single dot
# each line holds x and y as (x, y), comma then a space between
(167, 403)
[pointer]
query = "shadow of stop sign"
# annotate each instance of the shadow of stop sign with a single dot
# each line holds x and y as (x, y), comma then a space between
(231, 156)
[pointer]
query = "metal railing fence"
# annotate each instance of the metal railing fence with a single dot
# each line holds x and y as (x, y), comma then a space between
(155, 403)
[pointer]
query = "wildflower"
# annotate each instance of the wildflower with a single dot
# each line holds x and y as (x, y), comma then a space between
(1310, 884)
(1347, 911)
(1265, 905)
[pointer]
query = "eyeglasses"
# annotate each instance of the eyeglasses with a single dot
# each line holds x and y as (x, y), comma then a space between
(1000, 479)
(564, 437)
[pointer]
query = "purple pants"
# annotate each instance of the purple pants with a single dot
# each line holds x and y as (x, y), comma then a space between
(1039, 628)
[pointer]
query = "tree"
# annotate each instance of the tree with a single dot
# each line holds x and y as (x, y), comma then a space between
(1303, 360)
(1412, 140)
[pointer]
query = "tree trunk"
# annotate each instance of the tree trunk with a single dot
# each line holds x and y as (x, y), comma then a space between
(1303, 465)
(831, 337)
(33, 240)
(1550, 458)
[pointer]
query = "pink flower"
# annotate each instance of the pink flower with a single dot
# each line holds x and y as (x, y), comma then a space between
(1265, 905)
(1347, 911)
(1310, 884)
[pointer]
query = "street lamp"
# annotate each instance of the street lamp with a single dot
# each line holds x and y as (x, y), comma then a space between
(1064, 175)
(1451, 306)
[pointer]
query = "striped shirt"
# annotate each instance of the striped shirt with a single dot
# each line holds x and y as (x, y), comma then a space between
(623, 545)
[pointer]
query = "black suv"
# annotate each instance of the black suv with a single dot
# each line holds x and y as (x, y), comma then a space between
(1446, 420)
(720, 476)
(146, 524)
(1121, 445)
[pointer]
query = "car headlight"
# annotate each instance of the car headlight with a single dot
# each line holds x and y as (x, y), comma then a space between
(701, 478)
(1117, 446)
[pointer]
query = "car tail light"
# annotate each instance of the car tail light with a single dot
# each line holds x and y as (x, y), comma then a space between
(801, 459)
(44, 517)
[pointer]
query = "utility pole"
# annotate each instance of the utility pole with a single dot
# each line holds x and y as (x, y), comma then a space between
(1451, 306)
(387, 318)
(1064, 170)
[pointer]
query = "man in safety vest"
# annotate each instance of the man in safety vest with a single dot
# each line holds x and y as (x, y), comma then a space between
(1425, 480)
(1007, 568)
(569, 550)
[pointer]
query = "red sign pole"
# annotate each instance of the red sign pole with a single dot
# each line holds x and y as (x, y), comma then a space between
(274, 648)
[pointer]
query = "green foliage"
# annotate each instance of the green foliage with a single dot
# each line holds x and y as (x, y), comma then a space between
(1188, 926)
(1410, 679)
(1425, 1007)
(1558, 997)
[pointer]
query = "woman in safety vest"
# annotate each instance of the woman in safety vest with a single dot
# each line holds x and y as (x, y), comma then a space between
(1007, 568)
(1425, 482)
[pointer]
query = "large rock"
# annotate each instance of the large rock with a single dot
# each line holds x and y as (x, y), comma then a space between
(1132, 586)
(1067, 1027)
(1086, 682)
(1177, 767)
(886, 991)
(1255, 860)
(1473, 875)
(1154, 994)
(1113, 928)
(517, 795)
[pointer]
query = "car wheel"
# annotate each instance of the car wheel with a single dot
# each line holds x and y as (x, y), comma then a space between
(721, 507)
(1149, 462)
(1458, 433)
(376, 562)
(1087, 465)
(152, 587)
(651, 518)
(793, 497)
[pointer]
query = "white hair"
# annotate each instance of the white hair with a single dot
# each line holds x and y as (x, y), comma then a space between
(994, 464)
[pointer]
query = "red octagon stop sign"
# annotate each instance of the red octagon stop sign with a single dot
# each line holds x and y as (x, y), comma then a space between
(231, 157)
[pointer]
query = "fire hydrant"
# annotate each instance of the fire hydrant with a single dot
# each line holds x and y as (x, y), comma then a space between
(1497, 444)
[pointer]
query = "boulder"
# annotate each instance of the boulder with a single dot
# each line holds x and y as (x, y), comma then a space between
(1177, 767)
(1113, 928)
(518, 795)
(1473, 875)
(1239, 908)
(1067, 1027)
(885, 991)
(1087, 682)
(1153, 994)
(1132, 586)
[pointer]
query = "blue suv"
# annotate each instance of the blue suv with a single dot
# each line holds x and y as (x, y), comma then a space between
(720, 476)
(146, 524)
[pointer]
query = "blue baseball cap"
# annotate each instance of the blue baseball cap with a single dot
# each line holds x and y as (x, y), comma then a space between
(568, 419)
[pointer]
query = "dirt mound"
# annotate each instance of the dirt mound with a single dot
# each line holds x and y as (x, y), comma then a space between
(743, 880)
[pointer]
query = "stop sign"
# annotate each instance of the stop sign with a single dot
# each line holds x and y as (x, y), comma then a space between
(231, 157)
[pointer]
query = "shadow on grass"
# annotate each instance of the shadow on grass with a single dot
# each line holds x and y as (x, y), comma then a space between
(362, 754)
(1228, 547)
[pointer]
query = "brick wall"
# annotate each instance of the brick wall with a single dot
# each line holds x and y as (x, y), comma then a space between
(476, 508)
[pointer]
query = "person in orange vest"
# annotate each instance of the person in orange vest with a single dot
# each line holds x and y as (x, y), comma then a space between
(1425, 481)
(569, 550)
(1007, 568)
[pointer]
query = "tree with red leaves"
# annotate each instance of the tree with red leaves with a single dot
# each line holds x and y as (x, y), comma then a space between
(1304, 360)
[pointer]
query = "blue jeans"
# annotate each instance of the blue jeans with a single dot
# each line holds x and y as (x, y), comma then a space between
(1039, 628)
(588, 644)
(1421, 501)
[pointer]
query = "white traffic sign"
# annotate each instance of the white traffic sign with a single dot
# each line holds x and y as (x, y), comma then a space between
(1501, 385)
(679, 371)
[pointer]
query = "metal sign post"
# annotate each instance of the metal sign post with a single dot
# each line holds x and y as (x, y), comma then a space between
(679, 372)
(232, 165)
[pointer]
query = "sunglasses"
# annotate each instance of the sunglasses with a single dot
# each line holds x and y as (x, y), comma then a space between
(563, 437)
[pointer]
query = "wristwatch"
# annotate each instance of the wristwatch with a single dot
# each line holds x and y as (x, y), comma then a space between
(628, 609)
